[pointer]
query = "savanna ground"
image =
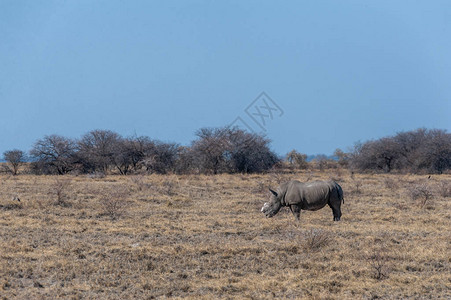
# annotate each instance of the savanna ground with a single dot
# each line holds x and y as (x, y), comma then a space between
(204, 237)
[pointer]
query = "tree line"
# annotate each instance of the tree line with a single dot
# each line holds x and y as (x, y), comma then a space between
(215, 150)
(224, 150)
(417, 151)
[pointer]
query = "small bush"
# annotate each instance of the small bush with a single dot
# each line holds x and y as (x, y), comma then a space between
(421, 193)
(310, 175)
(338, 176)
(390, 184)
(261, 187)
(13, 204)
(444, 188)
(59, 189)
(278, 176)
(114, 202)
(357, 187)
(315, 239)
(96, 175)
(169, 187)
(138, 181)
(378, 263)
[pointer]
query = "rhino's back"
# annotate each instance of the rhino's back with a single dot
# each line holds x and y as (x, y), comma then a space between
(310, 195)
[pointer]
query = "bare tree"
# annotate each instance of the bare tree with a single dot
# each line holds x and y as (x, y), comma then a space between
(53, 154)
(297, 160)
(382, 153)
(219, 150)
(14, 158)
(322, 162)
(97, 150)
(123, 155)
(134, 153)
(343, 157)
(249, 152)
(211, 149)
(139, 148)
(162, 157)
(186, 161)
(419, 150)
(409, 144)
(436, 152)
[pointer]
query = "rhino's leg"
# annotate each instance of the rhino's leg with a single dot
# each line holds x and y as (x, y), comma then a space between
(335, 203)
(336, 211)
(296, 210)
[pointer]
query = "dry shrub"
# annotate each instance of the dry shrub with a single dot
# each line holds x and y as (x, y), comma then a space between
(114, 202)
(60, 190)
(391, 184)
(315, 239)
(261, 187)
(96, 175)
(4, 169)
(338, 176)
(168, 187)
(310, 175)
(13, 204)
(379, 263)
(278, 176)
(357, 187)
(421, 192)
(444, 188)
(138, 181)
(196, 192)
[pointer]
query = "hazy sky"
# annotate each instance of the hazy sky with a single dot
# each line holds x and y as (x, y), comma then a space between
(341, 71)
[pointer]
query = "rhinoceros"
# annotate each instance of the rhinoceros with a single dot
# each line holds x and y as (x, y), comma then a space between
(307, 196)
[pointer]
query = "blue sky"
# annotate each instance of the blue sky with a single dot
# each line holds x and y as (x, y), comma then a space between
(341, 71)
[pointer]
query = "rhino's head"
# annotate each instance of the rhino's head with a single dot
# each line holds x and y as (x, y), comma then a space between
(273, 206)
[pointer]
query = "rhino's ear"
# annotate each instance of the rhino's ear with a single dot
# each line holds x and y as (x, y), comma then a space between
(274, 193)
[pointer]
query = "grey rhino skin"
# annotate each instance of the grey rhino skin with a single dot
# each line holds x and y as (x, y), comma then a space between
(299, 196)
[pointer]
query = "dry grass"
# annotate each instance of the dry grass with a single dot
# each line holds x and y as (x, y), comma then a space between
(204, 237)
